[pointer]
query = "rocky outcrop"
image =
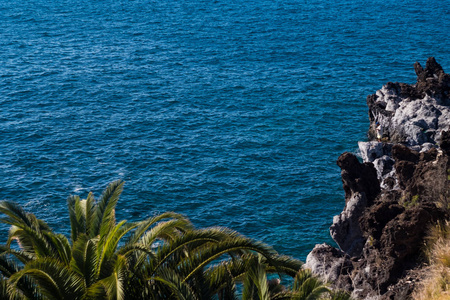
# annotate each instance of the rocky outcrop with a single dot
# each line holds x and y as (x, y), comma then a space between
(361, 188)
(395, 194)
(413, 114)
(330, 263)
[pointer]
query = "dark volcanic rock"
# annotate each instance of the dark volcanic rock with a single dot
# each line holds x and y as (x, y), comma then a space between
(382, 228)
(432, 80)
(445, 142)
(391, 229)
(358, 177)
(361, 187)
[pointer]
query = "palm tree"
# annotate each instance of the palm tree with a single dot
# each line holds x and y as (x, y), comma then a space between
(162, 257)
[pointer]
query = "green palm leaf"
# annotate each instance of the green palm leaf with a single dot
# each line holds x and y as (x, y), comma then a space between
(143, 226)
(307, 287)
(104, 219)
(85, 259)
(54, 279)
(162, 257)
(111, 287)
(178, 288)
(216, 250)
(255, 283)
(108, 245)
(16, 215)
(33, 235)
(25, 228)
(283, 264)
(222, 276)
(5, 294)
(61, 245)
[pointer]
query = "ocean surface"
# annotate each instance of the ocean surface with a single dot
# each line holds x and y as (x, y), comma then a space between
(230, 112)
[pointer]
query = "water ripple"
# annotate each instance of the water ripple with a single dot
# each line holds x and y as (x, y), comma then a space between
(231, 113)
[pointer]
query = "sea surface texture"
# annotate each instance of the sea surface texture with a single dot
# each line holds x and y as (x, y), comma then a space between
(230, 112)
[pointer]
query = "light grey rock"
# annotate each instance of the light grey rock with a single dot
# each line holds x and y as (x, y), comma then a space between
(413, 122)
(426, 147)
(386, 172)
(370, 150)
(389, 98)
(345, 229)
(328, 263)
(379, 154)
(384, 166)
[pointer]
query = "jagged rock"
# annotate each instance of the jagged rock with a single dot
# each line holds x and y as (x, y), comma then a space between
(358, 177)
(406, 160)
(361, 187)
(393, 228)
(413, 114)
(387, 258)
(373, 150)
(379, 153)
(432, 80)
(345, 230)
(382, 227)
(385, 171)
(331, 264)
(376, 218)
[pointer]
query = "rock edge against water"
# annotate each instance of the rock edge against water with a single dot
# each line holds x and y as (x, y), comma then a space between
(396, 193)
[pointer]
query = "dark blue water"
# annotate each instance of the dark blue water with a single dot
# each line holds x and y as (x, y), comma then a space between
(231, 112)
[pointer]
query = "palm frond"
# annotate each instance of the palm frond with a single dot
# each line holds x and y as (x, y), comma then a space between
(17, 215)
(222, 276)
(22, 238)
(283, 264)
(167, 231)
(84, 259)
(6, 295)
(111, 287)
(7, 265)
(33, 235)
(20, 255)
(30, 240)
(103, 220)
(216, 250)
(145, 225)
(306, 286)
(256, 280)
(107, 247)
(179, 289)
(61, 247)
(76, 216)
(54, 279)
(90, 208)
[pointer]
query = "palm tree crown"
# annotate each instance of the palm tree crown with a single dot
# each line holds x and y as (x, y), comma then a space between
(162, 257)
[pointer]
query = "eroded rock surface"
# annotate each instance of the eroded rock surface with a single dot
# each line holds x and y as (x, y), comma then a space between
(361, 188)
(413, 114)
(395, 194)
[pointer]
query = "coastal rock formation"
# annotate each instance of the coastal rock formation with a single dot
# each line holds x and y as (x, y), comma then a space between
(398, 191)
(413, 114)
(361, 187)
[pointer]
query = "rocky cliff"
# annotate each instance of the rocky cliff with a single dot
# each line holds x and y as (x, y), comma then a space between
(395, 194)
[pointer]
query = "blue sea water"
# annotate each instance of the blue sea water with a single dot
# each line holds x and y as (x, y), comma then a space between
(230, 112)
